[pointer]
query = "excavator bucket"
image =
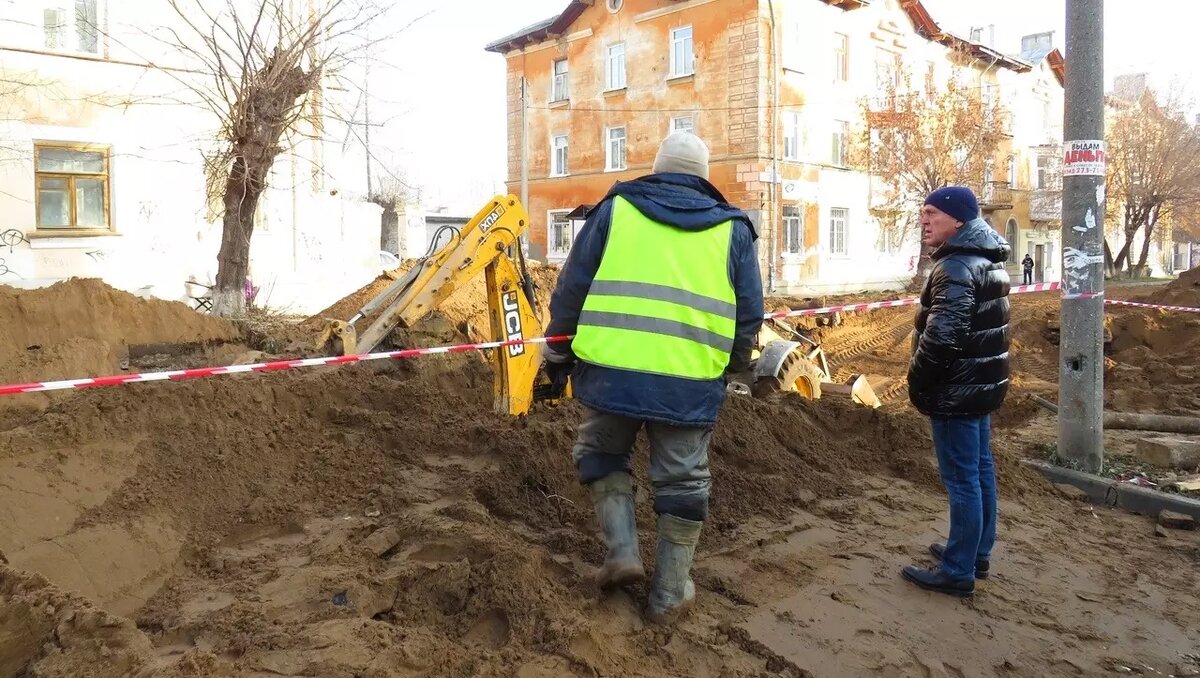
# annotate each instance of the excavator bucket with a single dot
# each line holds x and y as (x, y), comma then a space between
(792, 366)
(337, 337)
(857, 389)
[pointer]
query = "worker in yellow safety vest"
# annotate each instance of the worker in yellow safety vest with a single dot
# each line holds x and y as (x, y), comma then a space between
(663, 294)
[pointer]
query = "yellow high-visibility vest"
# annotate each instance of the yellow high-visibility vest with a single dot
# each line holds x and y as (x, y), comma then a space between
(662, 301)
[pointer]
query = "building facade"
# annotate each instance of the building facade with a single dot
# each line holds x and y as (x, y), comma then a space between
(776, 90)
(102, 173)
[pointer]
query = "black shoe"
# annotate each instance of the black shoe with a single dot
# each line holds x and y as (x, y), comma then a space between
(933, 579)
(981, 566)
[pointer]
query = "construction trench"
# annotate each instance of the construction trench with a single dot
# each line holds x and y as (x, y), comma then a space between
(380, 520)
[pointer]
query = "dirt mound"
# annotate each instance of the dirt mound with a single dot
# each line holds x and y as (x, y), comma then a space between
(166, 491)
(82, 327)
(1183, 291)
(89, 309)
(467, 308)
(47, 632)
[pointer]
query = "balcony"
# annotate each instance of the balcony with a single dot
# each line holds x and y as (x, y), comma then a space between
(996, 195)
(1045, 205)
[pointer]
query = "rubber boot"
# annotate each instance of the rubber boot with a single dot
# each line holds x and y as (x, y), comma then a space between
(672, 591)
(612, 496)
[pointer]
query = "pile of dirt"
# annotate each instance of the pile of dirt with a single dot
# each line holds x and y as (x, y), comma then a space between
(45, 631)
(81, 328)
(1183, 291)
(89, 309)
(153, 485)
(466, 309)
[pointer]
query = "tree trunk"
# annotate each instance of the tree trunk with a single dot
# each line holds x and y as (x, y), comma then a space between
(1123, 254)
(1109, 269)
(1149, 231)
(233, 260)
(924, 266)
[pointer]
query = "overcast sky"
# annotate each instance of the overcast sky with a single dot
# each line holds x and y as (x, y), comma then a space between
(443, 96)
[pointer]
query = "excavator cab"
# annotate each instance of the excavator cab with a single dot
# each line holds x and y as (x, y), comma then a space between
(486, 244)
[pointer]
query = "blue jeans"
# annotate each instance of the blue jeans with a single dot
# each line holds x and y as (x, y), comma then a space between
(964, 453)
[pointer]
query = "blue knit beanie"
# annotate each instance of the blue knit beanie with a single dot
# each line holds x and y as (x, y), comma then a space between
(957, 201)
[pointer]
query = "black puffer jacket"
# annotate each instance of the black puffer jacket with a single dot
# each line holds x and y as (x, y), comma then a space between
(959, 366)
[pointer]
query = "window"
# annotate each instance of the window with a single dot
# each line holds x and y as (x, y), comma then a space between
(1043, 172)
(558, 156)
(838, 216)
(614, 6)
(615, 150)
(930, 78)
(683, 123)
(561, 88)
(841, 137)
(560, 234)
(887, 72)
(72, 187)
(615, 67)
(841, 57)
(683, 59)
(1011, 231)
(793, 230)
(73, 26)
(1012, 172)
(791, 136)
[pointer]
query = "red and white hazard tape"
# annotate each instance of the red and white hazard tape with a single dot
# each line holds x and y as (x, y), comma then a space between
(1135, 304)
(279, 366)
(895, 303)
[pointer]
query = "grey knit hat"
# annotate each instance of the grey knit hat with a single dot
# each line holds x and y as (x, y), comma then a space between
(682, 153)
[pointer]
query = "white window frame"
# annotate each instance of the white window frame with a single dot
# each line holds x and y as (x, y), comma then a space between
(68, 30)
(609, 156)
(793, 229)
(841, 57)
(676, 127)
(839, 220)
(614, 67)
(683, 54)
(1042, 165)
(791, 135)
(1012, 171)
(560, 165)
(560, 83)
(553, 252)
(839, 144)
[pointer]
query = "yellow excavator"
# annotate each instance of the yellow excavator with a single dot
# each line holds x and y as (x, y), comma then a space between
(486, 244)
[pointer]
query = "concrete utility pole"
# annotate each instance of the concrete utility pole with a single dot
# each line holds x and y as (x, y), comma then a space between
(1081, 347)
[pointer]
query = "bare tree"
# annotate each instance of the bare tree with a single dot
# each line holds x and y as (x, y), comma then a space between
(1154, 169)
(263, 62)
(919, 139)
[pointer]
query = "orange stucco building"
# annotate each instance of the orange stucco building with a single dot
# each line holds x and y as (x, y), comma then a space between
(773, 88)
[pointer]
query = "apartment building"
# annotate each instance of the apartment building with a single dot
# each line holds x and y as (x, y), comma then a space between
(102, 174)
(774, 88)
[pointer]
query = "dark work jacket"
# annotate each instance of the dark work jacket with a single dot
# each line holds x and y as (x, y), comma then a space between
(685, 202)
(959, 366)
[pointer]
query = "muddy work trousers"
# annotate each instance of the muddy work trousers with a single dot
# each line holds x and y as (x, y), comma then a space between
(678, 459)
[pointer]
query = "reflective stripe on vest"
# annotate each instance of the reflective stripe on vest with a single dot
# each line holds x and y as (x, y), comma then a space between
(661, 301)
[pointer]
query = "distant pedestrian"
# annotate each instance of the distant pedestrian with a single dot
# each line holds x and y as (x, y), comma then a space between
(958, 376)
(1027, 265)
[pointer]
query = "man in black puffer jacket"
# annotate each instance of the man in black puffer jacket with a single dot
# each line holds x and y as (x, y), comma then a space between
(958, 376)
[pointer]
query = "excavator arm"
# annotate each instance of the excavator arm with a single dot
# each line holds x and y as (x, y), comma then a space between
(482, 246)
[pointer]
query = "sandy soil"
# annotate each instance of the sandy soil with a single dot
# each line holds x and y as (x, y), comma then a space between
(380, 520)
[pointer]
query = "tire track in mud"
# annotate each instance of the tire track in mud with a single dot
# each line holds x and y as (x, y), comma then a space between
(890, 331)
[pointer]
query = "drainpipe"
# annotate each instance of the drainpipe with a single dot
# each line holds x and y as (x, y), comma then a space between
(775, 178)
